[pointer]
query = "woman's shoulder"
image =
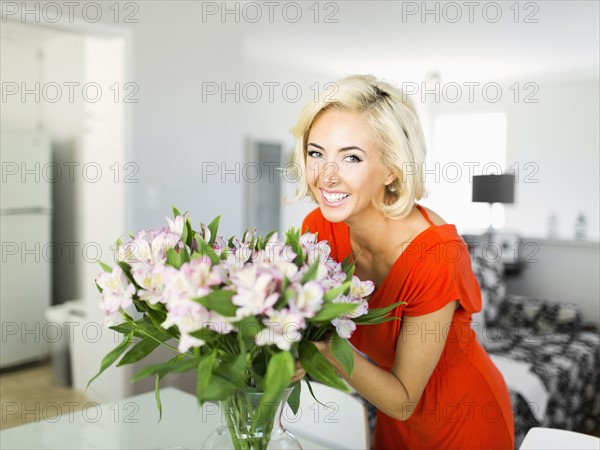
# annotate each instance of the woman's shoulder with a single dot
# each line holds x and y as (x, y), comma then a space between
(436, 236)
(434, 217)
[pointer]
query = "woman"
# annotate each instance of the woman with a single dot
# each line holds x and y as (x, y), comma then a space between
(433, 384)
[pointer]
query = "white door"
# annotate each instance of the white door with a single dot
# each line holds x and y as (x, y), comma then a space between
(27, 171)
(25, 287)
(20, 74)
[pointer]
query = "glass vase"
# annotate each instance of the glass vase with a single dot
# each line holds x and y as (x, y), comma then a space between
(243, 433)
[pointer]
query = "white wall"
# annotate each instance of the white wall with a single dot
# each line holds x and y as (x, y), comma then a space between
(273, 121)
(175, 132)
(560, 134)
(554, 144)
(561, 271)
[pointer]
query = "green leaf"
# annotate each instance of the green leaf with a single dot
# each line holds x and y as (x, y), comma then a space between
(206, 250)
(341, 350)
(284, 298)
(333, 310)
(148, 326)
(311, 273)
(173, 258)
(249, 327)
(109, 359)
(219, 301)
(294, 398)
(378, 315)
(217, 382)
(123, 328)
(214, 229)
(337, 291)
(157, 396)
(258, 368)
(348, 266)
(139, 351)
(187, 235)
(292, 238)
(279, 373)
(317, 366)
(184, 256)
(218, 388)
(233, 370)
(175, 211)
(105, 267)
(210, 337)
(204, 373)
(127, 272)
(310, 389)
(178, 364)
(155, 319)
(269, 235)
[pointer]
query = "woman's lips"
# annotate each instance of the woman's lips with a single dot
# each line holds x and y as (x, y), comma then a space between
(333, 198)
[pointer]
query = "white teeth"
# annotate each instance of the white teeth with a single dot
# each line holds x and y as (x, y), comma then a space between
(333, 198)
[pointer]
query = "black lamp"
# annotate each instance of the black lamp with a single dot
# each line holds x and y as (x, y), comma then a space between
(494, 189)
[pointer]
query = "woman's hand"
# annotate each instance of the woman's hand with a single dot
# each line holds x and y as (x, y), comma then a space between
(323, 347)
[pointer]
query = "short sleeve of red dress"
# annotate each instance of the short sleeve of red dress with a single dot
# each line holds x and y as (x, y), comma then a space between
(439, 274)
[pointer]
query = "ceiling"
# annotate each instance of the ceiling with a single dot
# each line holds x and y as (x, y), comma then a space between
(384, 38)
(379, 37)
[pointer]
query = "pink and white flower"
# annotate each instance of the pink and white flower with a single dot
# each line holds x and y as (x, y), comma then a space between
(193, 279)
(152, 281)
(148, 248)
(176, 226)
(117, 292)
(254, 292)
(344, 327)
(188, 316)
(283, 328)
(308, 299)
(361, 289)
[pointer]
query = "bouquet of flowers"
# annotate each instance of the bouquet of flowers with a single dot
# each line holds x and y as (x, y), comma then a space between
(239, 312)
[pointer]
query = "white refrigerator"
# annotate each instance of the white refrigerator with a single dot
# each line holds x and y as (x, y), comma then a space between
(27, 250)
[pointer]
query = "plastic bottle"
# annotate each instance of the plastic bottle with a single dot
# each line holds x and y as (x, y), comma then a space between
(580, 227)
(552, 225)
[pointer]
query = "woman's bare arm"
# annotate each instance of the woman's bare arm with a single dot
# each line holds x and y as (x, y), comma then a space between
(418, 351)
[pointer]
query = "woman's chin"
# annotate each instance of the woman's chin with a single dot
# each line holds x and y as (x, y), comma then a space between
(334, 215)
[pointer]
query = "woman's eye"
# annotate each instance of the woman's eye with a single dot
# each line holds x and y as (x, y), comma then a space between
(352, 158)
(314, 154)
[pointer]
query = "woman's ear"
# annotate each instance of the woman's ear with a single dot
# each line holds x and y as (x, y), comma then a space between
(390, 178)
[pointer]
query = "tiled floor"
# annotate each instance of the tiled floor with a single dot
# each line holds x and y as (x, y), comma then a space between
(30, 395)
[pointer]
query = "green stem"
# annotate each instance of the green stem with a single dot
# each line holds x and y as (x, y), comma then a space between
(159, 341)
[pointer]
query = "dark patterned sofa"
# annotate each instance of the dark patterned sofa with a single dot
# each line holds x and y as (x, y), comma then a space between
(549, 337)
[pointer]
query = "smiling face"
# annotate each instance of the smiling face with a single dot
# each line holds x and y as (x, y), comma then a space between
(343, 166)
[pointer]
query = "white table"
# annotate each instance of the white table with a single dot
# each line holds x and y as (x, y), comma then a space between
(132, 424)
(553, 439)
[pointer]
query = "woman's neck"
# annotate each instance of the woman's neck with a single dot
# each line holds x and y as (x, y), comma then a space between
(373, 233)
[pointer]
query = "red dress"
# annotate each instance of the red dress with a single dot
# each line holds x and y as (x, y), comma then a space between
(465, 404)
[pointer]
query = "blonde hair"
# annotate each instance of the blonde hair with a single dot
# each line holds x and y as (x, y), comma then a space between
(393, 119)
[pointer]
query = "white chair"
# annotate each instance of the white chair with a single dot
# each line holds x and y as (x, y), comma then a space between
(341, 424)
(551, 439)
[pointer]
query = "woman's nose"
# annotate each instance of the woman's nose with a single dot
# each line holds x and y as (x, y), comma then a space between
(329, 173)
